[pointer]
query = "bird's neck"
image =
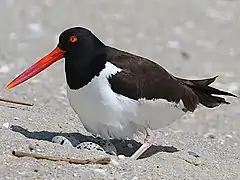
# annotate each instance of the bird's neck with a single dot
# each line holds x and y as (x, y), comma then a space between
(79, 72)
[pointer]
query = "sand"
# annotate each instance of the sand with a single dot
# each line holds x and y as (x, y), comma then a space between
(193, 39)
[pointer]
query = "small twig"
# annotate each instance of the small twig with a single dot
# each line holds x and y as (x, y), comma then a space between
(103, 160)
(15, 102)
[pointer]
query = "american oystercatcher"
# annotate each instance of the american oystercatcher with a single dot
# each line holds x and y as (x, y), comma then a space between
(117, 94)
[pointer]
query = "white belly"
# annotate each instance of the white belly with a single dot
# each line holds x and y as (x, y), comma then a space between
(111, 115)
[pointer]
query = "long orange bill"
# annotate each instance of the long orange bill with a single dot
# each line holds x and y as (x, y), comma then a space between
(36, 68)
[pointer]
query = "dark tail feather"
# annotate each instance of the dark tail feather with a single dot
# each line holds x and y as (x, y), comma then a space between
(206, 93)
(205, 82)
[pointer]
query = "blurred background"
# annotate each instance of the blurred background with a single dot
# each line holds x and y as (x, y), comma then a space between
(190, 38)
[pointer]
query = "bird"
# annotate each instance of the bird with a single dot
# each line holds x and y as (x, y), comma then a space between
(117, 94)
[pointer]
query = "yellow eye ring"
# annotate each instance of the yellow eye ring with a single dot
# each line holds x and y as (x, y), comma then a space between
(73, 39)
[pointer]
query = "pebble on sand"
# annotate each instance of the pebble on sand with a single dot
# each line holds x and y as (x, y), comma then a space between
(195, 154)
(6, 125)
(210, 135)
(99, 172)
(121, 156)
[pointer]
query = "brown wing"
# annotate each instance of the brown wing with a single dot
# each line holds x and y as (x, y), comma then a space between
(142, 78)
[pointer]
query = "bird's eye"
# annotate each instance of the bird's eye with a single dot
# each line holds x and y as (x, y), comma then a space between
(72, 39)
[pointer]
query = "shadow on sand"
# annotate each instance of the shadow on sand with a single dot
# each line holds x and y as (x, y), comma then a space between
(121, 146)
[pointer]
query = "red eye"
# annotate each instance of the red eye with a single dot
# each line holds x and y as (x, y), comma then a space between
(73, 39)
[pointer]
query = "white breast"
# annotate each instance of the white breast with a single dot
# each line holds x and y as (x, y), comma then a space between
(112, 115)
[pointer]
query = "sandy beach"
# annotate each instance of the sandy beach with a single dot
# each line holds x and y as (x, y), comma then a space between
(191, 39)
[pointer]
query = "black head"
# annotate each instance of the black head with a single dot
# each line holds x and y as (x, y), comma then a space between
(77, 39)
(84, 56)
(84, 53)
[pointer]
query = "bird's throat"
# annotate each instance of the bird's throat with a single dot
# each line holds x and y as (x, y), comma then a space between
(79, 73)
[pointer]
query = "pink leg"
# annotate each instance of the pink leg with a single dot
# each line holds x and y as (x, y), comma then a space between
(148, 142)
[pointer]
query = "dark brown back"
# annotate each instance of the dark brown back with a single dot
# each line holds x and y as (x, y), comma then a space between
(142, 78)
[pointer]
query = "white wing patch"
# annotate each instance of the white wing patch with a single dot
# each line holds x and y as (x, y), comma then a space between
(109, 70)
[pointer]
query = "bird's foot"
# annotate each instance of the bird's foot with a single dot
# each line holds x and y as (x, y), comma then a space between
(148, 142)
